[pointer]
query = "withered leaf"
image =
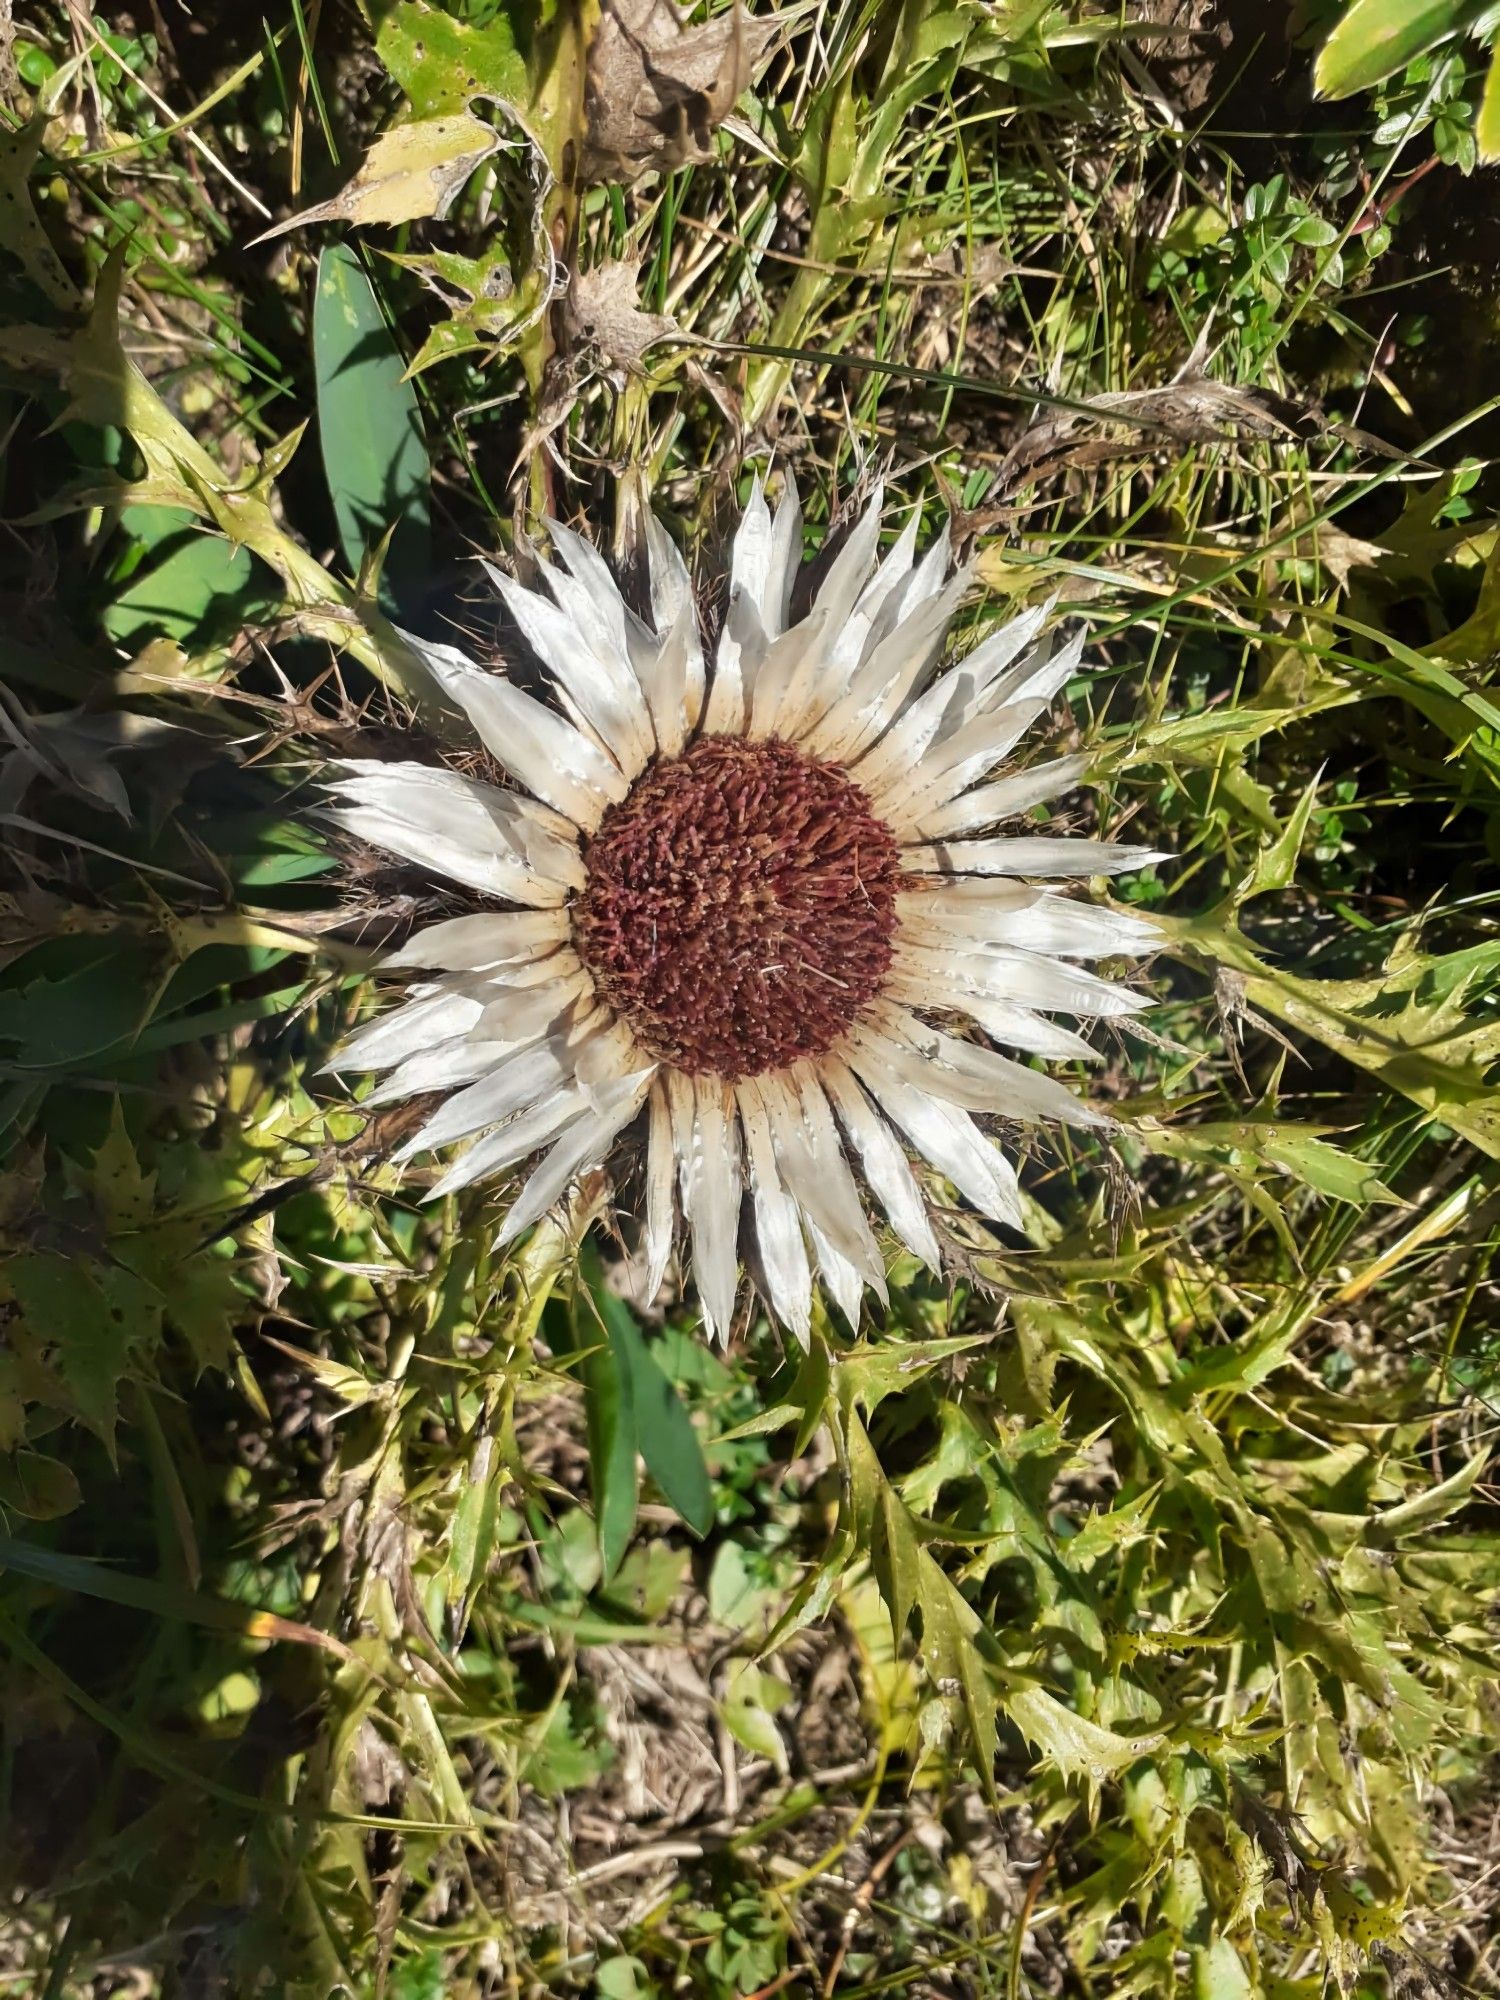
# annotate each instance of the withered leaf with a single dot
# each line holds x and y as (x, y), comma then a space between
(1191, 409)
(657, 89)
(600, 312)
(411, 171)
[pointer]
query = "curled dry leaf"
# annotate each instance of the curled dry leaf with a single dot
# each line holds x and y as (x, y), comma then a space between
(600, 313)
(601, 330)
(412, 171)
(657, 89)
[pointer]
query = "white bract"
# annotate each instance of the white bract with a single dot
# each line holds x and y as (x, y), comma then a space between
(736, 899)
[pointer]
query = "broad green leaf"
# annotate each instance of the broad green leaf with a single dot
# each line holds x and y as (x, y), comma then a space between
(1219, 1973)
(623, 1978)
(423, 1976)
(198, 585)
(374, 455)
(608, 1405)
(668, 1442)
(737, 1594)
(750, 1699)
(1196, 227)
(1378, 37)
(74, 998)
(664, 1432)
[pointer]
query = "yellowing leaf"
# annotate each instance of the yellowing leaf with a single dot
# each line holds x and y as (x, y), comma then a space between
(1080, 1749)
(125, 1195)
(1299, 1150)
(1436, 1503)
(20, 231)
(1487, 124)
(1420, 1026)
(411, 171)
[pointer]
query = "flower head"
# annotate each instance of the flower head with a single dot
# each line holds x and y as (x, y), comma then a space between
(740, 902)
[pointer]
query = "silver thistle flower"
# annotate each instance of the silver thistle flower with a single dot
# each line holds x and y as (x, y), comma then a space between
(730, 899)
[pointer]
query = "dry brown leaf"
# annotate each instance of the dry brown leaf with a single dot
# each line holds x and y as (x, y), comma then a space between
(600, 312)
(657, 89)
(411, 171)
(1192, 409)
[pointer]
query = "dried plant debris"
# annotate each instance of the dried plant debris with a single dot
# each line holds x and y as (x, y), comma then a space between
(1192, 409)
(658, 90)
(601, 315)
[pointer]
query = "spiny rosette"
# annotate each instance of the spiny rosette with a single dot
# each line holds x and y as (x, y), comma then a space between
(737, 898)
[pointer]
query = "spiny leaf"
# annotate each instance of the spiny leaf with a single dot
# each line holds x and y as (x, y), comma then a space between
(870, 1372)
(411, 171)
(1080, 1749)
(442, 62)
(1412, 1026)
(21, 234)
(126, 1195)
(1299, 1150)
(92, 1318)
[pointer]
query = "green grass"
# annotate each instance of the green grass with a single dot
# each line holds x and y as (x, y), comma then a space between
(1115, 1619)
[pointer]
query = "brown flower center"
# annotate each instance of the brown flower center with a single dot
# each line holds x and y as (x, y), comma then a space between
(739, 908)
